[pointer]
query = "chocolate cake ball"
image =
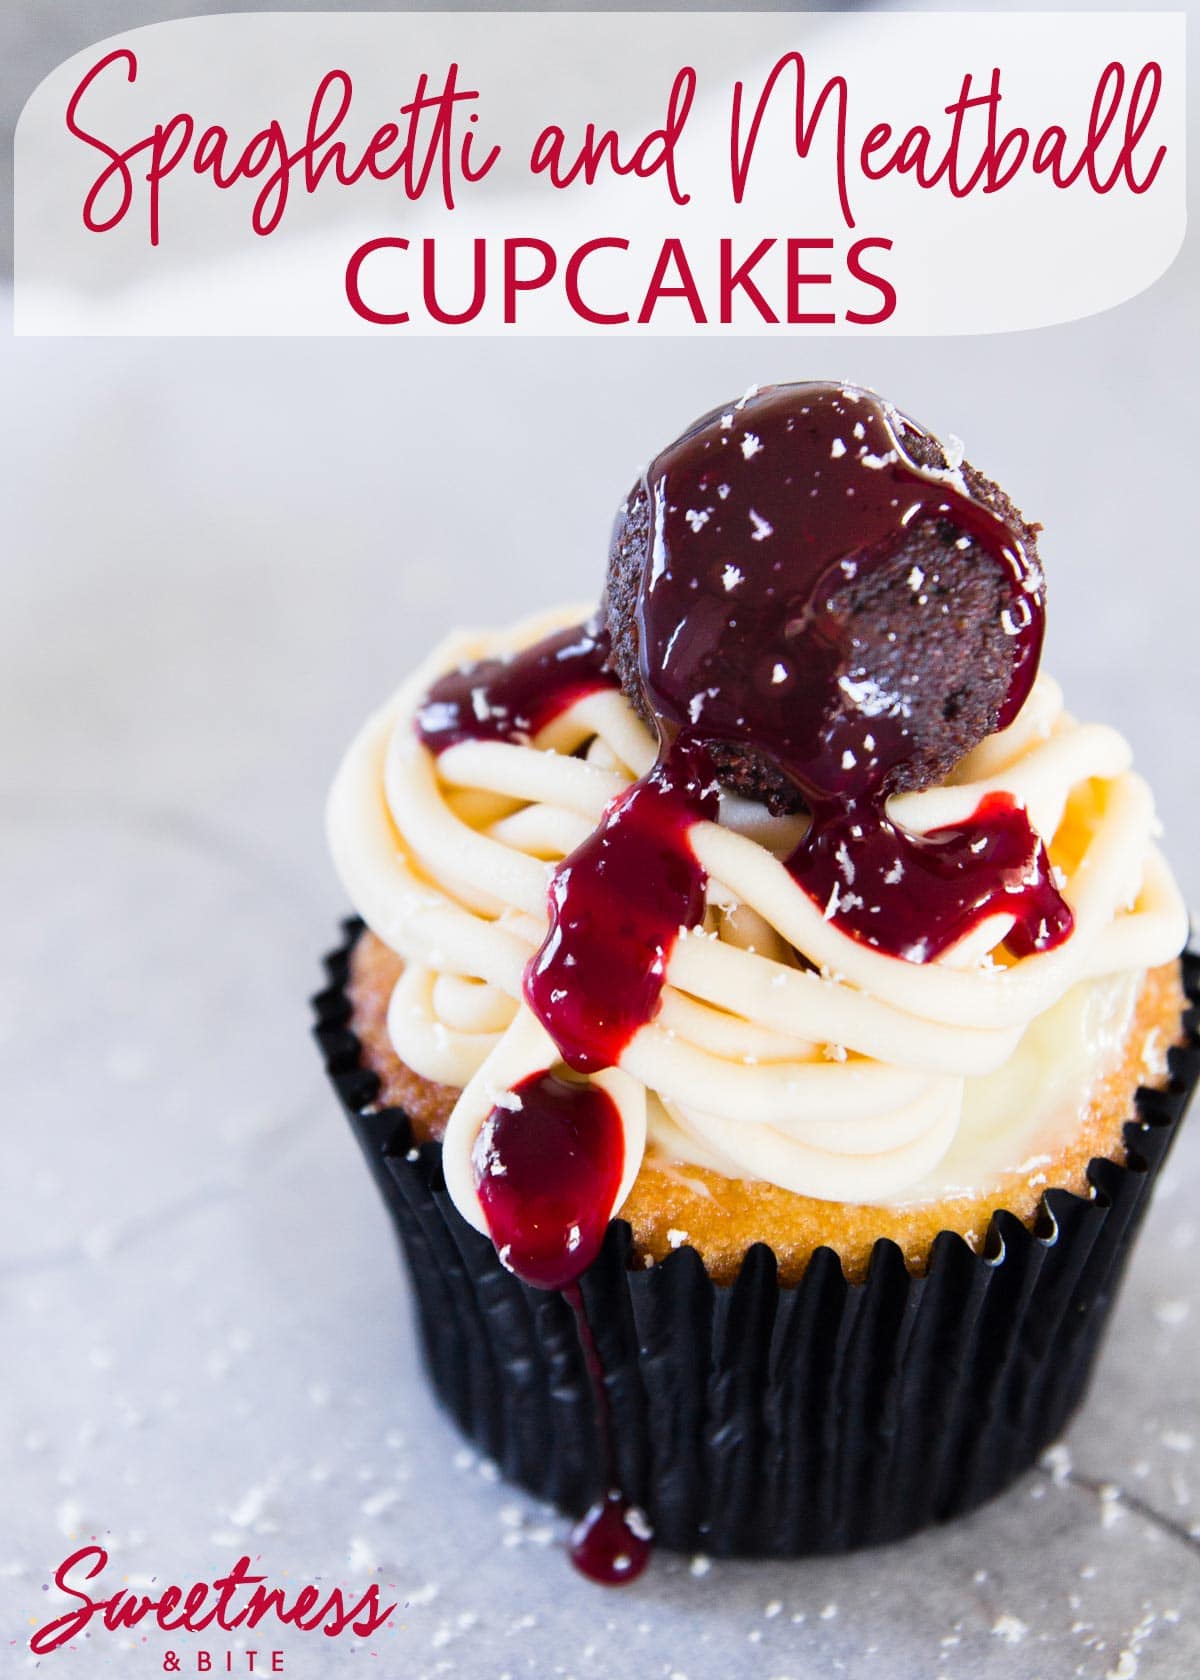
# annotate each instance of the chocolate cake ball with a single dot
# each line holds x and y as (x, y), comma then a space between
(808, 583)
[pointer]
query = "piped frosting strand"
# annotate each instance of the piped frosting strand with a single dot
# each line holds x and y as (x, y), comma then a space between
(792, 1053)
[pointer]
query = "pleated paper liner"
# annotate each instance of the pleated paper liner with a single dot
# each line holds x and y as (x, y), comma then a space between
(751, 1419)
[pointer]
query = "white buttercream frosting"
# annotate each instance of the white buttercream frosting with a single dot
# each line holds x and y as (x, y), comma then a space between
(849, 1075)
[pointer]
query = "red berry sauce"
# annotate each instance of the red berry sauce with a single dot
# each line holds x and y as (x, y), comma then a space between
(548, 1164)
(915, 895)
(512, 699)
(548, 1169)
(616, 907)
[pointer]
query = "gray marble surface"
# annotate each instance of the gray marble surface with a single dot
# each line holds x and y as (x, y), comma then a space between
(217, 556)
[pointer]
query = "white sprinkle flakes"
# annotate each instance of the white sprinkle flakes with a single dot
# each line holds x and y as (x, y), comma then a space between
(751, 445)
(1171, 1313)
(1057, 1460)
(1009, 1628)
(250, 1507)
(1110, 1505)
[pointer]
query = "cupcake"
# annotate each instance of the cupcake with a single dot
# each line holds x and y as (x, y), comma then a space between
(764, 1016)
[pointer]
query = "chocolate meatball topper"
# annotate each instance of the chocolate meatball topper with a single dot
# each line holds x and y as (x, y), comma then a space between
(807, 581)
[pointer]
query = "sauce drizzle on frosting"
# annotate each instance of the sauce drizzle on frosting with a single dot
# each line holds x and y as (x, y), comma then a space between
(548, 1163)
(512, 699)
(922, 893)
(616, 907)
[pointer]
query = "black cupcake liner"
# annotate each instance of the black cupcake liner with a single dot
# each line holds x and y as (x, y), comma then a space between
(750, 1418)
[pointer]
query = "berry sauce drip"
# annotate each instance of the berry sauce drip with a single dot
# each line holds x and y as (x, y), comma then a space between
(512, 699)
(548, 1163)
(945, 882)
(611, 1544)
(761, 516)
(550, 1155)
(617, 904)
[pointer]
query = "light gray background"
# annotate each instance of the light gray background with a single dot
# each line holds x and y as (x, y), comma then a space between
(217, 557)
